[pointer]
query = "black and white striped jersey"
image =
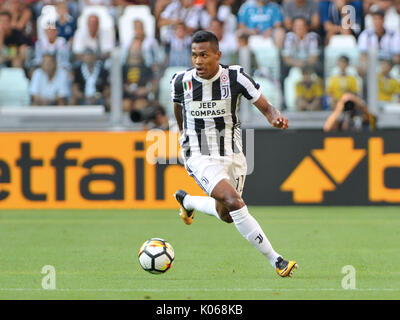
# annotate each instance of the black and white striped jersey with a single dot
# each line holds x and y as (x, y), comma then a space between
(210, 109)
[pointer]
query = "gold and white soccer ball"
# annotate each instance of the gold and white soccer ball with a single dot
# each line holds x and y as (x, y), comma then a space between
(156, 255)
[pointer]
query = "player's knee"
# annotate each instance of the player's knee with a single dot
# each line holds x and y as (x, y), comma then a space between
(234, 203)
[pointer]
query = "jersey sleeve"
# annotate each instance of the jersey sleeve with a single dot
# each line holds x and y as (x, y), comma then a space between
(247, 86)
(177, 88)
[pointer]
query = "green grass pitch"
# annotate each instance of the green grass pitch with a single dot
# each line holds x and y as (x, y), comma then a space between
(94, 253)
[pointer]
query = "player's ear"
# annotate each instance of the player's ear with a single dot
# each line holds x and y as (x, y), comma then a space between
(219, 53)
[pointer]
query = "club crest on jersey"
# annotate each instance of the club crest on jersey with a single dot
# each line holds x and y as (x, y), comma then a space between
(225, 92)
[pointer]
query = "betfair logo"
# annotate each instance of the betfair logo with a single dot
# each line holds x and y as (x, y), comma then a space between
(325, 169)
(308, 182)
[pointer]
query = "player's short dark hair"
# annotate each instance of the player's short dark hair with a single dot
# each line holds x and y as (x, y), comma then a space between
(206, 36)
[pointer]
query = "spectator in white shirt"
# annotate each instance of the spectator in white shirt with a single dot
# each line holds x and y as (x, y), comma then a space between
(392, 14)
(221, 10)
(244, 55)
(385, 41)
(178, 52)
(53, 44)
(301, 47)
(100, 40)
(49, 84)
(179, 11)
(227, 42)
(149, 47)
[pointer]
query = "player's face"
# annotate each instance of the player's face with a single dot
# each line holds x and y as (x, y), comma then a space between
(205, 59)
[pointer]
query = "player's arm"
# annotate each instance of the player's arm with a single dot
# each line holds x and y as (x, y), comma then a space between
(178, 115)
(177, 98)
(272, 114)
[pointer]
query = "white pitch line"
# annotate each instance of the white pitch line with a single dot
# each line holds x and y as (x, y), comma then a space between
(198, 289)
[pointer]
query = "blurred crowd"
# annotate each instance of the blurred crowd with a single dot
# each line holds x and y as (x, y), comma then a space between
(67, 58)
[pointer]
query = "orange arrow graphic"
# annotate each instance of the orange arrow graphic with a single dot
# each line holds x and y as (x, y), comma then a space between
(339, 157)
(307, 182)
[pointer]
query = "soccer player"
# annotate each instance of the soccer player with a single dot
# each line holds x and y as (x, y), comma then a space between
(206, 99)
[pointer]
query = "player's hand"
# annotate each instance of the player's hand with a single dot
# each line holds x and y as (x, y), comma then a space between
(280, 122)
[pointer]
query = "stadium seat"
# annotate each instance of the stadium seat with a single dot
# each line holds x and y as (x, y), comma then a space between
(164, 96)
(105, 18)
(125, 23)
(346, 41)
(267, 55)
(340, 45)
(138, 10)
(48, 15)
(290, 81)
(14, 87)
(271, 91)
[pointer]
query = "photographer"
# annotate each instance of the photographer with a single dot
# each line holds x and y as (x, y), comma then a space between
(350, 114)
(152, 116)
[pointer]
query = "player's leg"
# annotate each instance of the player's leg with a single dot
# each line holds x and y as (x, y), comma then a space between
(232, 202)
(207, 173)
(190, 203)
(229, 202)
(204, 204)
